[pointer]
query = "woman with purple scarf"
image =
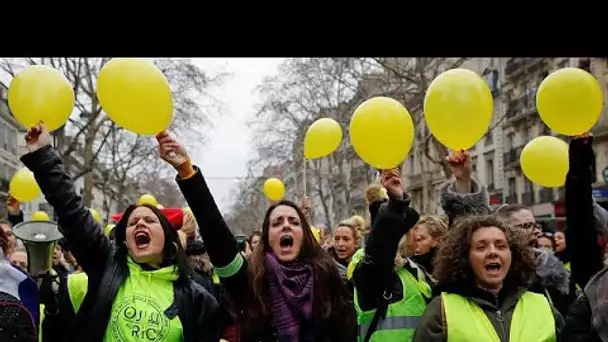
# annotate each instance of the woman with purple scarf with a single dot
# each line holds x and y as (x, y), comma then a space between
(289, 289)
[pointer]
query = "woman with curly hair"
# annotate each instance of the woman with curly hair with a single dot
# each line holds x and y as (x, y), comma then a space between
(483, 269)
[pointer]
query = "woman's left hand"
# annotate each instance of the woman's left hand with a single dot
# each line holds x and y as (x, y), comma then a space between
(170, 150)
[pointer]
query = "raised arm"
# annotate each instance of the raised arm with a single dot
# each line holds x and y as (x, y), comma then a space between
(372, 275)
(83, 234)
(581, 235)
(463, 194)
(220, 242)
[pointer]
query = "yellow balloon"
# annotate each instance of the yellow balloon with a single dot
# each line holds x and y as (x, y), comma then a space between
(274, 189)
(41, 93)
(381, 132)
(147, 199)
(544, 161)
(322, 138)
(136, 95)
(23, 186)
(96, 215)
(40, 216)
(569, 101)
(458, 108)
(160, 206)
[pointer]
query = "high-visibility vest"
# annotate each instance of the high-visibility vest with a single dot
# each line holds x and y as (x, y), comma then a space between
(402, 317)
(359, 254)
(77, 288)
(568, 268)
(532, 320)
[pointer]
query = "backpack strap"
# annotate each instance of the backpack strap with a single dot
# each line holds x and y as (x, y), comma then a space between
(380, 314)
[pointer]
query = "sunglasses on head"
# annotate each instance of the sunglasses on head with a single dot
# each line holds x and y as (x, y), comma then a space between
(548, 235)
(529, 225)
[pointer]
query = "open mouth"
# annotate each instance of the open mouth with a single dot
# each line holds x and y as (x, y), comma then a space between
(142, 239)
(493, 267)
(286, 242)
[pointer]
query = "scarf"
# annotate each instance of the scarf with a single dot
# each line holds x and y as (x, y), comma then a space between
(290, 290)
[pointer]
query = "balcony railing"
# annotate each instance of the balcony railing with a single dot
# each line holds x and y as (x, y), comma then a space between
(511, 157)
(546, 195)
(511, 199)
(527, 198)
(517, 64)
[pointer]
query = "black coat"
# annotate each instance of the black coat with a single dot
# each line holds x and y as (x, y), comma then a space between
(194, 306)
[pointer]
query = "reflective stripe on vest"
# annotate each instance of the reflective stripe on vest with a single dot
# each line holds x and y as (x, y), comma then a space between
(532, 320)
(402, 317)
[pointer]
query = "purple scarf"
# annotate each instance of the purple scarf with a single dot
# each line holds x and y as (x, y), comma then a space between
(290, 295)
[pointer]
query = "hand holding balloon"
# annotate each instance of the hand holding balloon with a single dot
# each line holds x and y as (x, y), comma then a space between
(37, 137)
(392, 183)
(171, 151)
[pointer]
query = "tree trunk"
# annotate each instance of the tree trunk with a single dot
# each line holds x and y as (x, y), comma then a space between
(88, 177)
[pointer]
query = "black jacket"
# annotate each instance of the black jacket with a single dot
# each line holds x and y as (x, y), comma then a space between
(581, 236)
(194, 306)
(393, 219)
(222, 249)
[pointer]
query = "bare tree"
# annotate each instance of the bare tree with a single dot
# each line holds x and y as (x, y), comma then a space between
(85, 136)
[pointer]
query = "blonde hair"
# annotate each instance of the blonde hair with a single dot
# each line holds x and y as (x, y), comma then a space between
(350, 224)
(189, 225)
(183, 239)
(436, 227)
(404, 250)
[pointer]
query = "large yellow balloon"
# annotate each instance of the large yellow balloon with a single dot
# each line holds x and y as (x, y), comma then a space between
(274, 189)
(458, 108)
(23, 186)
(544, 161)
(569, 101)
(322, 138)
(136, 95)
(96, 215)
(41, 93)
(147, 199)
(40, 216)
(381, 132)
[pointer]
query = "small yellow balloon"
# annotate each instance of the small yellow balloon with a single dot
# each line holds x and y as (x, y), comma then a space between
(136, 95)
(147, 199)
(160, 206)
(544, 161)
(274, 189)
(41, 93)
(458, 108)
(40, 216)
(96, 215)
(381, 132)
(23, 186)
(322, 138)
(569, 101)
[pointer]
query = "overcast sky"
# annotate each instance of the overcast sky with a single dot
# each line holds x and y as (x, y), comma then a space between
(224, 157)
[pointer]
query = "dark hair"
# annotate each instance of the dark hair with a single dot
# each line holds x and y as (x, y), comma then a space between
(452, 269)
(173, 252)
(330, 295)
(3, 243)
(507, 210)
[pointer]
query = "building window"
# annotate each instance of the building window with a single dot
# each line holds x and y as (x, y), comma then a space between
(474, 165)
(489, 138)
(509, 141)
(511, 182)
(525, 134)
(528, 187)
(489, 171)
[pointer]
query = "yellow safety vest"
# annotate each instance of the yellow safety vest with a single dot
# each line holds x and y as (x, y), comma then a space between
(532, 320)
(402, 317)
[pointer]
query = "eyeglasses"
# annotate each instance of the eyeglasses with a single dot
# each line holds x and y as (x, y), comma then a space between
(529, 225)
